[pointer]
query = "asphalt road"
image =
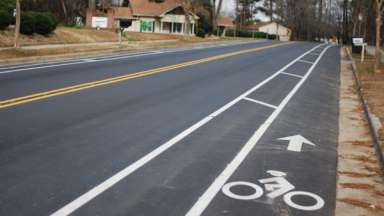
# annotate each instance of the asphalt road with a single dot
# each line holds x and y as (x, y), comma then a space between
(236, 129)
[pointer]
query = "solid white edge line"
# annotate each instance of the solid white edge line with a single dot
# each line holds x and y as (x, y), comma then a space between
(291, 74)
(113, 57)
(203, 202)
(260, 102)
(81, 61)
(97, 190)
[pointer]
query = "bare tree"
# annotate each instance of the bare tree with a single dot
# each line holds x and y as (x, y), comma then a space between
(17, 26)
(379, 11)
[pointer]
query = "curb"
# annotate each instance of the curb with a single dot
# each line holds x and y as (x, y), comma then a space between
(372, 128)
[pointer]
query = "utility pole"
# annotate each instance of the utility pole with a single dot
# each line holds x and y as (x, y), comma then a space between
(17, 26)
(237, 18)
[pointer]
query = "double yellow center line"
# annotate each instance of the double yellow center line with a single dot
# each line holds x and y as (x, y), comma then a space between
(88, 85)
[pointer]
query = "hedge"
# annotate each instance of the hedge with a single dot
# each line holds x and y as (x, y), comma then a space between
(200, 33)
(42, 23)
(248, 34)
(5, 19)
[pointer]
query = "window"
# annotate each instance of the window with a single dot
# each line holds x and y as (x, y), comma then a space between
(177, 27)
(146, 26)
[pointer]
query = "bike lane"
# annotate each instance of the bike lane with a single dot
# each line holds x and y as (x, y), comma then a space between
(292, 169)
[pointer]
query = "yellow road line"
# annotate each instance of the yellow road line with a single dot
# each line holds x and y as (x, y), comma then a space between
(83, 86)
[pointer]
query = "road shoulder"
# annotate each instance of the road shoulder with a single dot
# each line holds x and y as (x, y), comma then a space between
(360, 186)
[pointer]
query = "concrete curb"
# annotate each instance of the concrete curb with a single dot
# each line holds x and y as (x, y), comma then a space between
(372, 127)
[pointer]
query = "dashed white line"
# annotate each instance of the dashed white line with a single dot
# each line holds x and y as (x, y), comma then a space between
(314, 53)
(97, 190)
(304, 61)
(291, 74)
(202, 203)
(260, 102)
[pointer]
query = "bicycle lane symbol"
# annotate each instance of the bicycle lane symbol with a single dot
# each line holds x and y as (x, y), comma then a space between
(276, 186)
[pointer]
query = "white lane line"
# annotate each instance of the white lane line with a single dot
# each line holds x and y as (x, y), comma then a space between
(260, 102)
(304, 61)
(19, 68)
(202, 203)
(74, 63)
(97, 190)
(71, 60)
(291, 74)
(89, 60)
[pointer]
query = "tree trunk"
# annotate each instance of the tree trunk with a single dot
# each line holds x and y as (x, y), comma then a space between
(271, 9)
(214, 15)
(320, 20)
(219, 8)
(378, 38)
(17, 26)
(64, 10)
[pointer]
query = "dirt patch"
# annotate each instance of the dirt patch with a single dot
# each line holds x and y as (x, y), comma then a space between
(365, 159)
(373, 89)
(362, 143)
(359, 182)
(356, 174)
(362, 204)
(357, 186)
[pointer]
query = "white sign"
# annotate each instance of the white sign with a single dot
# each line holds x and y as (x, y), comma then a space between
(296, 142)
(358, 41)
(99, 22)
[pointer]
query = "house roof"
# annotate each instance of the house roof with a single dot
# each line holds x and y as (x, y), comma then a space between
(123, 12)
(153, 7)
(225, 21)
(148, 8)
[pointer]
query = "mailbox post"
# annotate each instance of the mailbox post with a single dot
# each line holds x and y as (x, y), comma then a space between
(358, 46)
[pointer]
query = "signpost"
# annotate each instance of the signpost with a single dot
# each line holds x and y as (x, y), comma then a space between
(359, 42)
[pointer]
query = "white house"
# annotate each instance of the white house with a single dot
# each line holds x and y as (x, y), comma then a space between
(157, 16)
(283, 32)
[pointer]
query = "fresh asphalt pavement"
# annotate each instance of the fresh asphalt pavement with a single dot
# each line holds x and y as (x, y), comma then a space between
(211, 138)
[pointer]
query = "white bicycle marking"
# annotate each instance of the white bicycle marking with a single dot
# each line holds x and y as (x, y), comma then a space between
(319, 201)
(258, 190)
(278, 186)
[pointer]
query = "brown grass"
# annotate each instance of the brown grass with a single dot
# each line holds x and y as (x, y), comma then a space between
(66, 35)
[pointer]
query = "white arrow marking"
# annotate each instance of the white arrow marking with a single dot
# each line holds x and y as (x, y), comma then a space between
(296, 142)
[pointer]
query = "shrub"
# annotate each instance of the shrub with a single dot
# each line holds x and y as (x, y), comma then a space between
(37, 22)
(200, 33)
(28, 22)
(5, 19)
(249, 34)
(45, 23)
